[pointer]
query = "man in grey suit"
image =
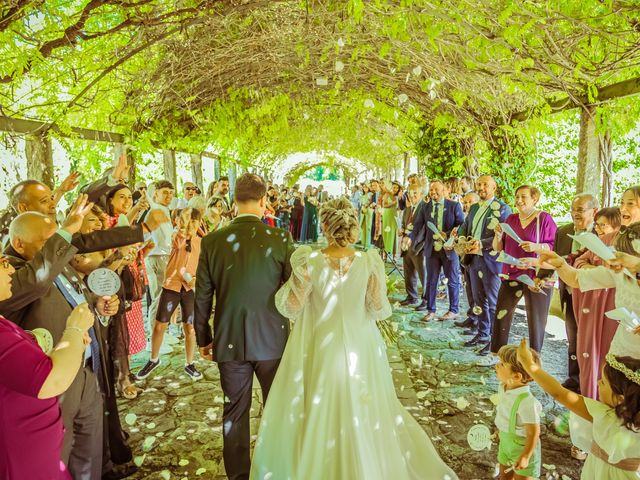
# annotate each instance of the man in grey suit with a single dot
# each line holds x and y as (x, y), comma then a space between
(242, 265)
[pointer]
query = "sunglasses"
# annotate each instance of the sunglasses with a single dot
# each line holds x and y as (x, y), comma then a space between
(191, 189)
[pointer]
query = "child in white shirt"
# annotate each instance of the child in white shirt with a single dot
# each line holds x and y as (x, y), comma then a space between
(517, 418)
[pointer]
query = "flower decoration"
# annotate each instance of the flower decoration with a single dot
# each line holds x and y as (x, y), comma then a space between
(493, 223)
(495, 206)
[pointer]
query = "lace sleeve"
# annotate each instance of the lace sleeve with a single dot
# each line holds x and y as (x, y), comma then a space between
(291, 297)
(376, 300)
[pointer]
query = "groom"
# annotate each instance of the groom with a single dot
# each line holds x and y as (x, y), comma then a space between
(243, 265)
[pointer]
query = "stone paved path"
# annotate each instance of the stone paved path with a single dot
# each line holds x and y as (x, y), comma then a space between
(175, 424)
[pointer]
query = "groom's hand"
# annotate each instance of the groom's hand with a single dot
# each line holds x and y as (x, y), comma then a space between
(207, 352)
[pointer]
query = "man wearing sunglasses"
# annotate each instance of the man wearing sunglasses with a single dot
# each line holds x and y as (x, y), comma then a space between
(190, 190)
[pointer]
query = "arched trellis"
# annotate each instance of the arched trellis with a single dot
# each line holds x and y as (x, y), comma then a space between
(290, 168)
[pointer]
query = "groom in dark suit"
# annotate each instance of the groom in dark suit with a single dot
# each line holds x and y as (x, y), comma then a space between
(243, 265)
(445, 215)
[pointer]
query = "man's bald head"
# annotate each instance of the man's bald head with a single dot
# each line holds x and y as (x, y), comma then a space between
(33, 196)
(486, 187)
(29, 232)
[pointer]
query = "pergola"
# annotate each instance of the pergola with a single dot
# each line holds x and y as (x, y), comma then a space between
(462, 84)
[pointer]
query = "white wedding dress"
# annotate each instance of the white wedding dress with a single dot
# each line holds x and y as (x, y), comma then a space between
(332, 411)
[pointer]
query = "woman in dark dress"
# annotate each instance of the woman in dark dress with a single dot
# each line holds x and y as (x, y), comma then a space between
(297, 213)
(310, 222)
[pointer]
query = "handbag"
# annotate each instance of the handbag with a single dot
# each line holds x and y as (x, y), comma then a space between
(132, 284)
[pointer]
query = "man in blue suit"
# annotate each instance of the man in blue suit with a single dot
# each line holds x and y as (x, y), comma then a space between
(445, 215)
(483, 267)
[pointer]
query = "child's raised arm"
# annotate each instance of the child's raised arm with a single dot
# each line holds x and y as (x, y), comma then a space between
(569, 399)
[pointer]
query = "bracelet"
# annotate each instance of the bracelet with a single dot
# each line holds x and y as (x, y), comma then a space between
(76, 329)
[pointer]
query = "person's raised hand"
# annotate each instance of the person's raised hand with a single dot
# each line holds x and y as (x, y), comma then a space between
(75, 217)
(69, 183)
(525, 358)
(80, 318)
(624, 260)
(550, 260)
(121, 170)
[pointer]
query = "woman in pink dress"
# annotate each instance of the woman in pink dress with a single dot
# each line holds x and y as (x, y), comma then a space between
(120, 202)
(595, 330)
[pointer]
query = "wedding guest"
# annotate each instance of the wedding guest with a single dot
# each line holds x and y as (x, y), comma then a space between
(444, 215)
(197, 202)
(626, 342)
(389, 222)
(471, 321)
(537, 231)
(614, 420)
(297, 215)
(156, 259)
(189, 191)
(178, 289)
(30, 382)
(413, 261)
(583, 209)
(517, 417)
(452, 189)
(595, 330)
(366, 216)
(376, 220)
(309, 233)
(119, 202)
(467, 185)
(483, 266)
(630, 206)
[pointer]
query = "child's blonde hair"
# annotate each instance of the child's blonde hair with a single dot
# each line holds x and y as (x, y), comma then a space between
(509, 356)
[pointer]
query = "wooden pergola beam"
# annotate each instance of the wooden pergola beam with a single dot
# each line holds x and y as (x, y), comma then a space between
(21, 126)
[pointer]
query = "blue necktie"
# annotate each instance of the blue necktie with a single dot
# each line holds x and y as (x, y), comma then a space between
(95, 353)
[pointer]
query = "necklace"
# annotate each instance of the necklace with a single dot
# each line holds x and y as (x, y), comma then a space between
(528, 216)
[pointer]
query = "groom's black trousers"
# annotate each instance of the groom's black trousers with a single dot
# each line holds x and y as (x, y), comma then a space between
(236, 378)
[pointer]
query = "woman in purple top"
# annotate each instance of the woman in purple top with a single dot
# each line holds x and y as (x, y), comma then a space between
(30, 381)
(537, 230)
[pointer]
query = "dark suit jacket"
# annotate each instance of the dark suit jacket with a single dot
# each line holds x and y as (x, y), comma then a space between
(419, 243)
(105, 239)
(35, 301)
(486, 237)
(243, 265)
(453, 217)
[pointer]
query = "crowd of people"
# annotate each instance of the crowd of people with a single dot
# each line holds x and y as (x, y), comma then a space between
(60, 338)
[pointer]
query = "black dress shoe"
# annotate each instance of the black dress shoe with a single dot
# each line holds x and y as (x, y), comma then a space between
(422, 307)
(477, 340)
(471, 331)
(484, 351)
(468, 323)
(408, 301)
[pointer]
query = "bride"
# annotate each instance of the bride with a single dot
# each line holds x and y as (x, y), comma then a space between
(332, 410)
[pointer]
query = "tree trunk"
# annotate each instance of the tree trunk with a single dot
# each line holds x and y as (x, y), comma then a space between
(169, 163)
(196, 170)
(217, 168)
(589, 176)
(406, 166)
(39, 155)
(231, 173)
(606, 158)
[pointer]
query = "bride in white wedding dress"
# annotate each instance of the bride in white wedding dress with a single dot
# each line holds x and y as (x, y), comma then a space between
(332, 411)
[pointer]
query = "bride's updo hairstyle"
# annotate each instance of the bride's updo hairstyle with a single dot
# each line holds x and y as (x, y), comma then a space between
(340, 221)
